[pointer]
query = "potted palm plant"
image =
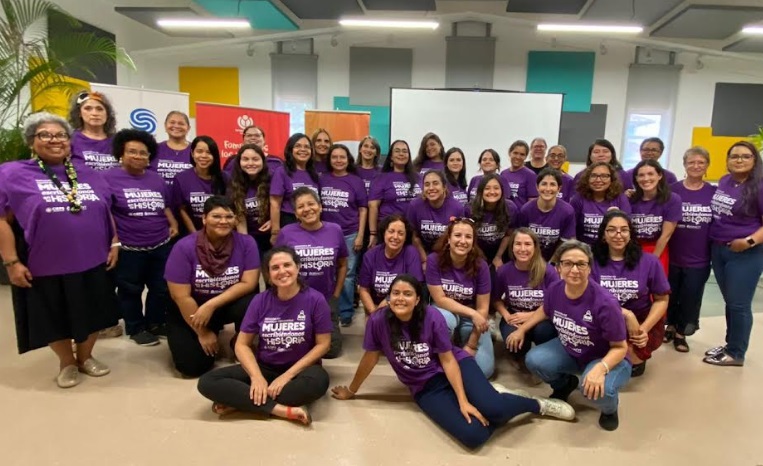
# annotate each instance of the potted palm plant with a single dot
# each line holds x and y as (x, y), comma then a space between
(30, 67)
(757, 138)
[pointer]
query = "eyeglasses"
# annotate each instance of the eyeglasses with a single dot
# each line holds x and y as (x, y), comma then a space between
(462, 219)
(650, 149)
(44, 136)
(556, 156)
(595, 176)
(568, 265)
(301, 146)
(745, 157)
(137, 153)
(618, 231)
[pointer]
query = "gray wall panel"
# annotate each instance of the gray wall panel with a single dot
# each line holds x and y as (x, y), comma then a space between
(737, 109)
(579, 129)
(469, 62)
(374, 70)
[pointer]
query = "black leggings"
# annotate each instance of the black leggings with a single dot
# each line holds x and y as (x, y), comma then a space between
(187, 354)
(230, 386)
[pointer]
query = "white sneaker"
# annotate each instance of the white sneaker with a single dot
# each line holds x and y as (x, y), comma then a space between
(495, 331)
(556, 408)
(516, 392)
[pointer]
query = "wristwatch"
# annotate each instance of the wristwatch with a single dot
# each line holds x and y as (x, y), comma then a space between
(750, 241)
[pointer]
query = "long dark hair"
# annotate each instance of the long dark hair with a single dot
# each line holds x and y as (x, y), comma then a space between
(608, 145)
(496, 157)
(218, 182)
(751, 187)
(241, 183)
(442, 248)
(421, 157)
(290, 165)
(600, 248)
(663, 190)
(265, 268)
(414, 325)
(583, 187)
(501, 212)
(457, 179)
(410, 174)
(75, 115)
(351, 168)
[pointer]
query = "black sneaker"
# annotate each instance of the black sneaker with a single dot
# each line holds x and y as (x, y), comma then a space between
(144, 338)
(609, 422)
(564, 392)
(638, 369)
(159, 330)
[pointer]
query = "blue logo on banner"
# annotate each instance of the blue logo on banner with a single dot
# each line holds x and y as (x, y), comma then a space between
(143, 119)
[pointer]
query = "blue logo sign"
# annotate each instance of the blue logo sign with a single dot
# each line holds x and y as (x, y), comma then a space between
(143, 119)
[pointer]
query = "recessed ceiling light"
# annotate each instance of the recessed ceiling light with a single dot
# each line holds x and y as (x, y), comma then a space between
(753, 30)
(590, 28)
(204, 23)
(388, 23)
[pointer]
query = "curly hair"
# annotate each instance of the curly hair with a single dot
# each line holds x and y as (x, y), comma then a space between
(421, 157)
(33, 121)
(241, 182)
(600, 248)
(663, 190)
(351, 168)
(584, 187)
(126, 135)
(75, 113)
(501, 212)
(442, 248)
(455, 179)
(290, 165)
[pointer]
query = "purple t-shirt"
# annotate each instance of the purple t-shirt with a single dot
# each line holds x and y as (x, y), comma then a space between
(456, 283)
(273, 163)
(586, 325)
(430, 223)
(252, 206)
(284, 185)
(589, 214)
(633, 288)
(567, 190)
(551, 226)
(489, 236)
(169, 162)
(377, 271)
(393, 190)
(513, 288)
(286, 329)
(341, 198)
(430, 165)
(94, 153)
(183, 266)
(191, 192)
(321, 167)
(60, 242)
(318, 251)
(729, 221)
(627, 178)
(648, 216)
(522, 184)
(458, 193)
(690, 243)
(367, 175)
(414, 362)
(475, 182)
(137, 204)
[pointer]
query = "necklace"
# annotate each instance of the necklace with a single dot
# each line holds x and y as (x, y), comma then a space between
(75, 204)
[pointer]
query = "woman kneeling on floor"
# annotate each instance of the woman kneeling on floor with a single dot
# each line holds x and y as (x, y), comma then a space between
(284, 373)
(445, 381)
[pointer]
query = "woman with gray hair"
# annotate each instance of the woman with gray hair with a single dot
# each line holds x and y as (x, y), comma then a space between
(689, 249)
(63, 290)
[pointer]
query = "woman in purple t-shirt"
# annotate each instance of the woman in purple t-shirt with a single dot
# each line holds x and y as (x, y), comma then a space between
(173, 155)
(250, 192)
(592, 336)
(431, 154)
(598, 190)
(429, 215)
(92, 117)
(145, 224)
(601, 150)
(58, 264)
(369, 152)
(284, 372)
(639, 283)
(395, 255)
(490, 164)
(445, 382)
(212, 275)
(549, 217)
(737, 253)
(322, 143)
(495, 216)
(520, 179)
(690, 250)
(557, 156)
(454, 170)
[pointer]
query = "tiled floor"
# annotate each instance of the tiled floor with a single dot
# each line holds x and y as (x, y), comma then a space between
(682, 412)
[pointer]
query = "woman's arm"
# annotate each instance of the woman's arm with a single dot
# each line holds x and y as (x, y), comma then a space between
(367, 300)
(517, 337)
(187, 220)
(656, 312)
(18, 273)
(362, 222)
(442, 300)
(498, 259)
(181, 295)
(741, 244)
(247, 284)
(453, 374)
(593, 383)
(373, 218)
(322, 343)
(275, 217)
(420, 248)
(499, 306)
(667, 231)
(258, 390)
(241, 225)
(341, 275)
(365, 366)
(172, 222)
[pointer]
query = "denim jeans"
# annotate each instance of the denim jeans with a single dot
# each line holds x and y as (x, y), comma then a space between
(687, 285)
(136, 270)
(485, 356)
(737, 274)
(551, 362)
(346, 311)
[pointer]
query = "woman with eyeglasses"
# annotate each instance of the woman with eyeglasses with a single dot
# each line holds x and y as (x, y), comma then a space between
(557, 156)
(394, 188)
(369, 152)
(145, 225)
(211, 275)
(173, 155)
(458, 279)
(249, 190)
(490, 164)
(690, 250)
(455, 174)
(639, 283)
(445, 382)
(537, 162)
(431, 154)
(592, 336)
(429, 215)
(93, 119)
(520, 179)
(650, 149)
(602, 151)
(394, 255)
(298, 171)
(58, 265)
(549, 217)
(495, 216)
(598, 191)
(737, 255)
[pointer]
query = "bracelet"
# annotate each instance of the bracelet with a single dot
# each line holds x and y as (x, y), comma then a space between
(473, 347)
(116, 245)
(606, 366)
(11, 262)
(351, 390)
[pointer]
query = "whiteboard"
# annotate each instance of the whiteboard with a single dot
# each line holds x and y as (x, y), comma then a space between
(474, 120)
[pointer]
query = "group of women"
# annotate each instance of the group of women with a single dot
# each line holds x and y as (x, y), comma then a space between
(587, 276)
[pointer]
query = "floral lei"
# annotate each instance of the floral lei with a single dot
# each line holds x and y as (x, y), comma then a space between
(75, 204)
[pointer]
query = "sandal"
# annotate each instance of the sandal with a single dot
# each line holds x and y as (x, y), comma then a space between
(679, 343)
(221, 409)
(296, 417)
(670, 334)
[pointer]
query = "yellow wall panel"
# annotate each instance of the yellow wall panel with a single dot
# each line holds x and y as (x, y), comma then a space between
(203, 84)
(57, 97)
(717, 146)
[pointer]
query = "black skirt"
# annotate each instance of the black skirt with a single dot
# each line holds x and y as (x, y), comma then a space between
(64, 307)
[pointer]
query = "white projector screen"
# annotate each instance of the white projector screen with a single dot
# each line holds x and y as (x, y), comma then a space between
(474, 120)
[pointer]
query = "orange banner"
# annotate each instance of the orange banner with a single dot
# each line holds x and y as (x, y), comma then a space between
(344, 127)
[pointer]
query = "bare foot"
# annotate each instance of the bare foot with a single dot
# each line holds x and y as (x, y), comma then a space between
(293, 413)
(222, 410)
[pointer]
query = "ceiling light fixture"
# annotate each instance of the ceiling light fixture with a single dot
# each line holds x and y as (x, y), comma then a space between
(753, 30)
(388, 23)
(590, 28)
(204, 23)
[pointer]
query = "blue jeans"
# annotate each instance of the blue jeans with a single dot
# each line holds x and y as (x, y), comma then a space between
(346, 311)
(485, 357)
(136, 270)
(687, 285)
(737, 274)
(539, 334)
(552, 364)
(438, 401)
